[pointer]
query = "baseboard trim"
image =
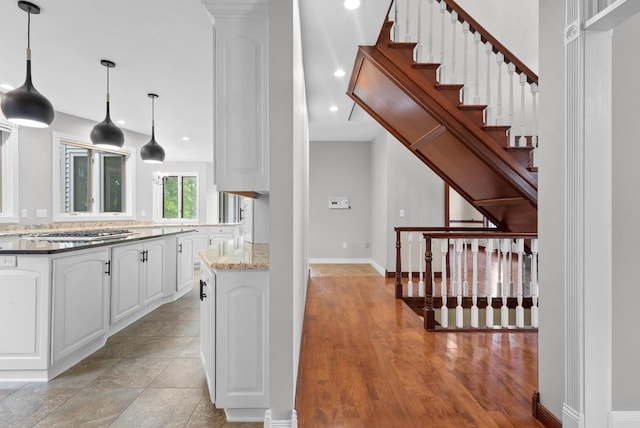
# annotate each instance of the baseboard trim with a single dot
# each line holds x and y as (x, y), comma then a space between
(277, 423)
(618, 419)
(377, 267)
(542, 414)
(571, 418)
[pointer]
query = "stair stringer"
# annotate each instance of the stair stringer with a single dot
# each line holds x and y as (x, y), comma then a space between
(502, 188)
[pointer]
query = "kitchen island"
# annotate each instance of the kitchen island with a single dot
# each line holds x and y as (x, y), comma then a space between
(234, 327)
(61, 299)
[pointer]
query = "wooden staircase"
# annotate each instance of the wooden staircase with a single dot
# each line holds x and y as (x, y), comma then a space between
(451, 138)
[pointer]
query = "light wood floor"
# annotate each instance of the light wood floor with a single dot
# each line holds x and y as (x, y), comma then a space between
(366, 361)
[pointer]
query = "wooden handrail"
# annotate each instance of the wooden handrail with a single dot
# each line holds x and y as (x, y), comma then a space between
(486, 36)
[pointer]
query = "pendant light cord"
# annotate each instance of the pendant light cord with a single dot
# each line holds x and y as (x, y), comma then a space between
(153, 117)
(107, 84)
(29, 34)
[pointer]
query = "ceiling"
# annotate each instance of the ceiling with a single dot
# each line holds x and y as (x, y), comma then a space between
(166, 47)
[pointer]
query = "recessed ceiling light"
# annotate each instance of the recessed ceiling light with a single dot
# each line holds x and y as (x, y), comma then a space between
(351, 4)
(121, 122)
(339, 73)
(333, 108)
(7, 86)
(185, 138)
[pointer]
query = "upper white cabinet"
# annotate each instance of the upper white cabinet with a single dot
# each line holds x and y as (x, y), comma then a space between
(80, 303)
(242, 101)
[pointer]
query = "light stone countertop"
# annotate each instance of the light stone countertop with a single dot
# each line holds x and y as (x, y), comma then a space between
(236, 254)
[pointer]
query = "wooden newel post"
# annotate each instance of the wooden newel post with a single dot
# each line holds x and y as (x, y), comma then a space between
(398, 267)
(428, 311)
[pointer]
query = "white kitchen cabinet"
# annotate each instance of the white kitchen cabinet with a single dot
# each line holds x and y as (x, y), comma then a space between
(234, 339)
(137, 277)
(185, 263)
(24, 316)
(208, 327)
(242, 99)
(242, 344)
(80, 302)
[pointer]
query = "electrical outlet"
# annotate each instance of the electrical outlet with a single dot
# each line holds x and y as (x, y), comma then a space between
(41, 212)
(23, 213)
(344, 245)
(8, 261)
(366, 245)
(143, 213)
(401, 213)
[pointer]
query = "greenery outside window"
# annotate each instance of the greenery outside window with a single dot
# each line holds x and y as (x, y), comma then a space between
(176, 197)
(8, 173)
(92, 182)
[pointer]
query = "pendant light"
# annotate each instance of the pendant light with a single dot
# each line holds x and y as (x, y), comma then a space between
(25, 105)
(106, 133)
(152, 152)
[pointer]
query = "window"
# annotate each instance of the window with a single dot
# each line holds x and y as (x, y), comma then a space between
(92, 182)
(8, 174)
(176, 197)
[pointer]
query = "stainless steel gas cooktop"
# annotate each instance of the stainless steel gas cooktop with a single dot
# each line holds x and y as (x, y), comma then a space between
(81, 235)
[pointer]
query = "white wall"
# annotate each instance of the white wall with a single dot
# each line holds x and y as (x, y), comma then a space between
(551, 206)
(379, 193)
(413, 188)
(626, 207)
(288, 193)
(339, 168)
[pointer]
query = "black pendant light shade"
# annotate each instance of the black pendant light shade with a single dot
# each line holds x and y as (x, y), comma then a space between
(152, 152)
(106, 133)
(25, 105)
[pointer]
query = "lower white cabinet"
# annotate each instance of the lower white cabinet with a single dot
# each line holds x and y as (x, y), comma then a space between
(24, 316)
(185, 262)
(80, 302)
(208, 328)
(137, 277)
(235, 334)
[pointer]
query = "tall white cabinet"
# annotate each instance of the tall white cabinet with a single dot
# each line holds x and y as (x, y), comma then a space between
(242, 94)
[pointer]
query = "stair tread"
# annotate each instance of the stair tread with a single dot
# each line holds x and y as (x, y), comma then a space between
(403, 45)
(472, 107)
(427, 65)
(450, 86)
(516, 148)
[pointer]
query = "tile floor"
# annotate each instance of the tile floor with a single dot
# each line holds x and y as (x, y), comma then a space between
(147, 375)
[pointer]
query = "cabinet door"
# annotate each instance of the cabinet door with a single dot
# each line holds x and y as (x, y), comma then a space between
(24, 314)
(185, 263)
(152, 287)
(80, 301)
(242, 343)
(125, 281)
(208, 329)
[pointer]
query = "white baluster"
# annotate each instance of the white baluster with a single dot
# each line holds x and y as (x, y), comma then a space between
(396, 21)
(459, 311)
(430, 58)
(522, 142)
(512, 135)
(488, 48)
(419, 54)
(504, 310)
(474, 284)
(465, 65)
(410, 282)
(499, 62)
(534, 283)
(407, 34)
(421, 280)
(534, 107)
(454, 21)
(476, 82)
(465, 283)
(488, 251)
(444, 311)
(442, 68)
(519, 308)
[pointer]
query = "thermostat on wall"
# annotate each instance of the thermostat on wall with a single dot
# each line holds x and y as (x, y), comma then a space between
(339, 202)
